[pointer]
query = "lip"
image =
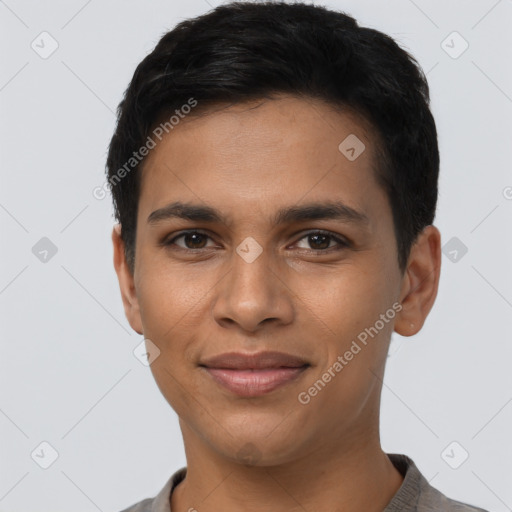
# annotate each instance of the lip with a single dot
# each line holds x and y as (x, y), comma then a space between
(249, 383)
(250, 375)
(255, 361)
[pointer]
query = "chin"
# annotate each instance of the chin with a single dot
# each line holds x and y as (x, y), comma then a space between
(259, 449)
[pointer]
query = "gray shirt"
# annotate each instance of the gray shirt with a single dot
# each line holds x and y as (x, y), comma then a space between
(415, 493)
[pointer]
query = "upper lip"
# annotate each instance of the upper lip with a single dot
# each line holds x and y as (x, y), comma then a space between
(259, 360)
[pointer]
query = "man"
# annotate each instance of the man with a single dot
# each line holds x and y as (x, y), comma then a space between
(274, 173)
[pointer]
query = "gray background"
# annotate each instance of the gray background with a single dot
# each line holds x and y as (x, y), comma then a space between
(67, 369)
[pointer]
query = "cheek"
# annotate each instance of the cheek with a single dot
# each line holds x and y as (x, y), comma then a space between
(170, 300)
(356, 350)
(170, 311)
(360, 315)
(351, 300)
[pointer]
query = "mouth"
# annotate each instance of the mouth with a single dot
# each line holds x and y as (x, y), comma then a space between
(250, 375)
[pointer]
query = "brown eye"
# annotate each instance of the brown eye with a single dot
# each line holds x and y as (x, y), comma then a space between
(321, 241)
(191, 239)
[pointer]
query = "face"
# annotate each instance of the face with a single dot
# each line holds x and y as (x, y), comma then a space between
(268, 267)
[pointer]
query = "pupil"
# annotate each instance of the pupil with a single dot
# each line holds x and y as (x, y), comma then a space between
(324, 245)
(194, 235)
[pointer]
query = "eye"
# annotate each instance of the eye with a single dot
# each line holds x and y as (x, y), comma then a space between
(192, 240)
(320, 241)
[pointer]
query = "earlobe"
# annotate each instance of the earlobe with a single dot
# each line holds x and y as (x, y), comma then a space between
(126, 282)
(420, 282)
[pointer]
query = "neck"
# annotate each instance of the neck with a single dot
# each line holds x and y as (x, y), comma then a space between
(352, 475)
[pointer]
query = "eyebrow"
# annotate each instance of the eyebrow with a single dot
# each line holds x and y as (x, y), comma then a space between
(334, 210)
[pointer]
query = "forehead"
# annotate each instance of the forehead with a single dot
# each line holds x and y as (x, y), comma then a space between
(265, 151)
(282, 120)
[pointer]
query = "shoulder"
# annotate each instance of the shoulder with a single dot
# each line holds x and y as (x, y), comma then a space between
(417, 494)
(142, 506)
(433, 500)
(161, 502)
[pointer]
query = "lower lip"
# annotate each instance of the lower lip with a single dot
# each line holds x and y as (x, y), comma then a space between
(249, 383)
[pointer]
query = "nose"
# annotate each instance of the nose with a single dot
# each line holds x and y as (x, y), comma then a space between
(253, 295)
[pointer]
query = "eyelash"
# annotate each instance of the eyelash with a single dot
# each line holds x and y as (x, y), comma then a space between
(343, 244)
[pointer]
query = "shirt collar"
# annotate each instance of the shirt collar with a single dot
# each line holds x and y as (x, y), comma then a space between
(407, 496)
(162, 501)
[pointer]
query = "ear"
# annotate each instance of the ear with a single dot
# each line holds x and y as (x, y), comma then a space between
(420, 282)
(126, 282)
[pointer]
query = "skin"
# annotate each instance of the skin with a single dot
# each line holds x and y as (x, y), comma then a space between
(248, 161)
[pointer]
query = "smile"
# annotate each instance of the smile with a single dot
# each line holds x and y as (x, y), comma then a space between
(254, 374)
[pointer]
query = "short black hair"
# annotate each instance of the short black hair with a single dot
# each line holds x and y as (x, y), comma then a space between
(245, 51)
